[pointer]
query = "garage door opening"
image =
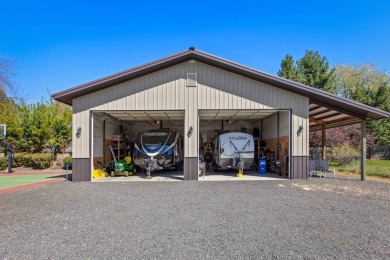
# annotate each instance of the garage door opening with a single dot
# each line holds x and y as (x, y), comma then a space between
(137, 145)
(257, 141)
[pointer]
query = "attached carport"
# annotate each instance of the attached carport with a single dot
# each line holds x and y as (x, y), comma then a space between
(341, 112)
(198, 84)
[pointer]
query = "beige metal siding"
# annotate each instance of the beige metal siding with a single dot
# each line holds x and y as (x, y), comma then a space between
(219, 89)
(166, 90)
(81, 118)
(300, 117)
(233, 91)
(162, 90)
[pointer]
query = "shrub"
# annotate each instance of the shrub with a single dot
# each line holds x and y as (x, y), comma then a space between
(3, 163)
(67, 160)
(344, 154)
(36, 161)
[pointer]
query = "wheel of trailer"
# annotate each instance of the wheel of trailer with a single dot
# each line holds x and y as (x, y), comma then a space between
(112, 174)
(215, 167)
(126, 174)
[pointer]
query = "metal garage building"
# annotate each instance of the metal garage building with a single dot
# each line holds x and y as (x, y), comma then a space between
(192, 87)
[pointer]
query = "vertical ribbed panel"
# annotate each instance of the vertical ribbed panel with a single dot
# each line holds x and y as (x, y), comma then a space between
(166, 90)
(81, 169)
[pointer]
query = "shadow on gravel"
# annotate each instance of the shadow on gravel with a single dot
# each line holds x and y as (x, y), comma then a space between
(65, 176)
(57, 176)
(341, 178)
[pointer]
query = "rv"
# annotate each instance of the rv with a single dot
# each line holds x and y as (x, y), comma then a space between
(233, 151)
(159, 149)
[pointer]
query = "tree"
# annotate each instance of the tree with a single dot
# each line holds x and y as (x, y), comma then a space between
(312, 70)
(315, 71)
(289, 70)
(61, 126)
(10, 116)
(367, 84)
(6, 73)
(33, 127)
(349, 134)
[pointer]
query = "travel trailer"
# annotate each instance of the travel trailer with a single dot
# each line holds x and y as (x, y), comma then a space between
(159, 149)
(233, 151)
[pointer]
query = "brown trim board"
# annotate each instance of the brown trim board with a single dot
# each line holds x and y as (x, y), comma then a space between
(299, 167)
(190, 168)
(81, 169)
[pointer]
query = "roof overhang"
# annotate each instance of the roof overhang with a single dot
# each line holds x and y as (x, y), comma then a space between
(346, 111)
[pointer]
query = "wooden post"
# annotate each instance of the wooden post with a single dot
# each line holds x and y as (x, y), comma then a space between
(363, 156)
(323, 142)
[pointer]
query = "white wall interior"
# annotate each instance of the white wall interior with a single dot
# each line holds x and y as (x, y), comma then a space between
(270, 125)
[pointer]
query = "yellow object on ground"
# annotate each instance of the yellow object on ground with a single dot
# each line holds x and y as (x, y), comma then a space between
(239, 175)
(128, 159)
(99, 174)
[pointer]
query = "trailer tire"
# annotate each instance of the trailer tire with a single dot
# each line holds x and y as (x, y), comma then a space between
(215, 167)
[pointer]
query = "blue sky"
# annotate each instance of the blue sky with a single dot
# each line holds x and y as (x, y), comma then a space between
(60, 44)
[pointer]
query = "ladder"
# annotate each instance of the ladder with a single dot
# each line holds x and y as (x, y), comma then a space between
(207, 150)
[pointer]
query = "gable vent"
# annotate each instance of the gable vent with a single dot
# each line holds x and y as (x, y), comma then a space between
(192, 80)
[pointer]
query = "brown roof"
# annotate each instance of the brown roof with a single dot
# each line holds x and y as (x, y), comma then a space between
(316, 96)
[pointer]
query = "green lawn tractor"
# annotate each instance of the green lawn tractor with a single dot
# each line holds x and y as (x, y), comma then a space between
(124, 167)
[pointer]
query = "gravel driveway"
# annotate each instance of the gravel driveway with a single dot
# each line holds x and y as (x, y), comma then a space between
(331, 218)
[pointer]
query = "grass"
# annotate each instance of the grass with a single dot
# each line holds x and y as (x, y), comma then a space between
(378, 168)
(17, 180)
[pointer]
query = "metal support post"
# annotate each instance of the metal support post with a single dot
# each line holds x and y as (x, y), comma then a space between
(363, 156)
(10, 152)
(323, 142)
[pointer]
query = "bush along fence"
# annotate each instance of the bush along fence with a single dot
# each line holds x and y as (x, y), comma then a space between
(3, 163)
(378, 152)
(67, 162)
(373, 152)
(36, 161)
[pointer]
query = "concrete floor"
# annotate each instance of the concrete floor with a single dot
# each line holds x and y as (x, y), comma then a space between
(231, 175)
(172, 175)
(169, 175)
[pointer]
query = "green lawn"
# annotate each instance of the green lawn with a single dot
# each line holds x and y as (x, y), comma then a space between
(17, 180)
(380, 168)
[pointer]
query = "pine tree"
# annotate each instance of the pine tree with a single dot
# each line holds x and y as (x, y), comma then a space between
(315, 71)
(289, 70)
(312, 70)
